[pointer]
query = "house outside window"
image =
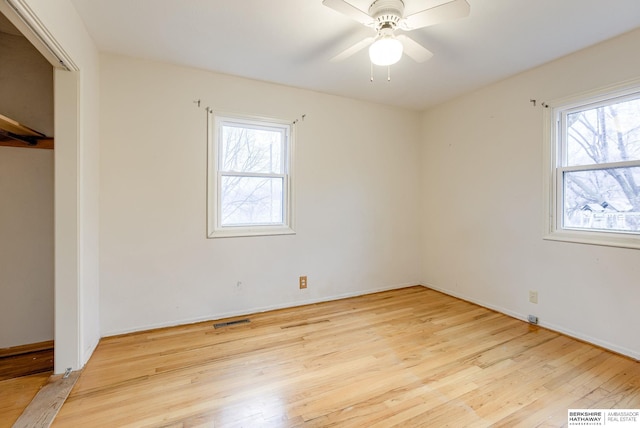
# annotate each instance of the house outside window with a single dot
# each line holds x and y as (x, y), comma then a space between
(594, 159)
(250, 188)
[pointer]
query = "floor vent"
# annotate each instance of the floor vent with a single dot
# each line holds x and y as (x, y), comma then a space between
(230, 323)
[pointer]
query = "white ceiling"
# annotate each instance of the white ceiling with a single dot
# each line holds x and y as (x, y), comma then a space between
(291, 41)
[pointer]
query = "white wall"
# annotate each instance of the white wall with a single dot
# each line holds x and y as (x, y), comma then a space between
(26, 84)
(356, 184)
(76, 181)
(26, 246)
(482, 206)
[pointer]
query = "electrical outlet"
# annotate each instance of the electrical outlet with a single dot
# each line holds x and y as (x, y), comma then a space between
(533, 296)
(303, 282)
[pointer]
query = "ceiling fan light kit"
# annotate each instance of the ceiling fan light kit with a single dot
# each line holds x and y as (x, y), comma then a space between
(385, 16)
(386, 50)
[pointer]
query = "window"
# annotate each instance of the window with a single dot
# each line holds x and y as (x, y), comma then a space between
(250, 186)
(595, 174)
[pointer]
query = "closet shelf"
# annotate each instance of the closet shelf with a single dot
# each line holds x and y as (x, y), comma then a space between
(14, 134)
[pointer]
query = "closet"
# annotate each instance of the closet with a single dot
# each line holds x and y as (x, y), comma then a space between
(26, 207)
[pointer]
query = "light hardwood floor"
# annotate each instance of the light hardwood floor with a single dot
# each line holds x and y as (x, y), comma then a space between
(23, 371)
(15, 395)
(411, 357)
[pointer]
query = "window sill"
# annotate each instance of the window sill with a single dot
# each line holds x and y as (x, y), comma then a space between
(231, 232)
(608, 239)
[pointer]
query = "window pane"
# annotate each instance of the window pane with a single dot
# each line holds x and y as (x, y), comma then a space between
(607, 199)
(251, 201)
(604, 134)
(247, 149)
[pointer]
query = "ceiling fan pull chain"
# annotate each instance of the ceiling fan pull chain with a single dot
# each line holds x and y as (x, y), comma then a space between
(371, 71)
(388, 73)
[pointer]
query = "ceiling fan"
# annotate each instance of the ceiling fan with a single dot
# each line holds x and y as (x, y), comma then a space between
(386, 16)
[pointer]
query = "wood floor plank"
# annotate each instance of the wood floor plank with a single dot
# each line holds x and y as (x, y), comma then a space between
(16, 394)
(408, 357)
(26, 360)
(44, 407)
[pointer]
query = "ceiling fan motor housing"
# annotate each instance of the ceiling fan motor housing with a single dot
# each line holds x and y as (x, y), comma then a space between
(387, 13)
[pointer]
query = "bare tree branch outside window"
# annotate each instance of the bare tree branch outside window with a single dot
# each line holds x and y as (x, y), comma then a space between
(251, 175)
(596, 197)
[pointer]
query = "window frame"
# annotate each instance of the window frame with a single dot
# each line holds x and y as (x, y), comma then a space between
(215, 123)
(554, 167)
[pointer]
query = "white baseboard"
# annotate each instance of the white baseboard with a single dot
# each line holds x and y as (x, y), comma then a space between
(551, 326)
(255, 310)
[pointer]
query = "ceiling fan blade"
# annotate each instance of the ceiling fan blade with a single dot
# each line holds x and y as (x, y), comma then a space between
(349, 10)
(353, 49)
(445, 12)
(413, 49)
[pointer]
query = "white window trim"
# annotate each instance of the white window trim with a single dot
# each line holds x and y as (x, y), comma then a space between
(552, 210)
(214, 229)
